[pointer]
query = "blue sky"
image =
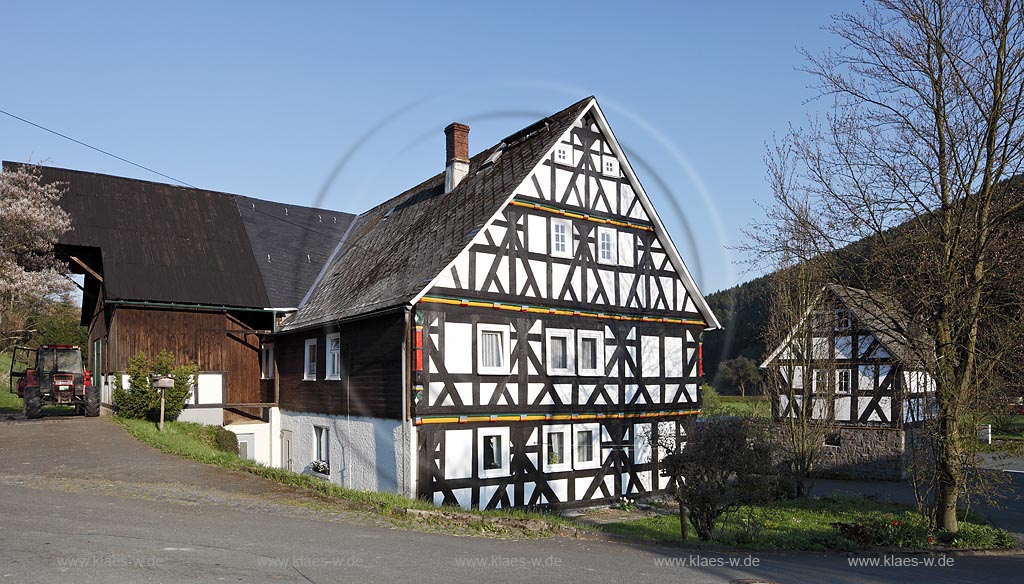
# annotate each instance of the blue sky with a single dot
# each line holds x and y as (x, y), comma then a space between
(265, 99)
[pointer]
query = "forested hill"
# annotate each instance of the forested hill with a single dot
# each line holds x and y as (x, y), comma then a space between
(742, 310)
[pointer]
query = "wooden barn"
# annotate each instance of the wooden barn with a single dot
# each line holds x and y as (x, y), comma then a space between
(203, 274)
(513, 331)
(856, 363)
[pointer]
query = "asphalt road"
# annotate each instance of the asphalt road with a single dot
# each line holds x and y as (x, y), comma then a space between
(118, 511)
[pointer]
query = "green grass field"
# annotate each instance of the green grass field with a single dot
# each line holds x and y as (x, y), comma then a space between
(756, 405)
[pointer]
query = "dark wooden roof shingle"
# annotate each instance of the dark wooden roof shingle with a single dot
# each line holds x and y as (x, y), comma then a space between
(395, 249)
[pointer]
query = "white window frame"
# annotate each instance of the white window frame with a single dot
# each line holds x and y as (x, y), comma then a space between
(595, 441)
(613, 161)
(598, 351)
(333, 360)
(322, 445)
(568, 251)
(505, 468)
(505, 331)
(842, 374)
(563, 154)
(570, 351)
(566, 464)
(267, 361)
(308, 375)
(613, 246)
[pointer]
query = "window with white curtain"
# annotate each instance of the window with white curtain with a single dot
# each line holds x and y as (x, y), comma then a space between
(334, 356)
(561, 351)
(590, 352)
(492, 347)
(586, 446)
(309, 369)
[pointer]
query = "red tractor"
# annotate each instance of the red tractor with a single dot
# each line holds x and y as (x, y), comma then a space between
(56, 378)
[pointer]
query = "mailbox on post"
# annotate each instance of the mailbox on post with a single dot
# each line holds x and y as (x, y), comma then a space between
(162, 384)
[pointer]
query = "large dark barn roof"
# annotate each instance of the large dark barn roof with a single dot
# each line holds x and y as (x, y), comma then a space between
(170, 244)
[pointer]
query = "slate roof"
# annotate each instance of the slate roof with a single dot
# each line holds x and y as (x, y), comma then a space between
(395, 249)
(171, 244)
(889, 323)
(883, 317)
(291, 244)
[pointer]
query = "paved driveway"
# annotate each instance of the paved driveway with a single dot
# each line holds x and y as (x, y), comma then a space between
(110, 509)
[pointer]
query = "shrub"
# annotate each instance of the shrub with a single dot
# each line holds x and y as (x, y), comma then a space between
(140, 401)
(724, 465)
(711, 402)
(226, 440)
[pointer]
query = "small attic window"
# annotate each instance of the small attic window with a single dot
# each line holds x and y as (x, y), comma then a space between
(562, 155)
(843, 320)
(390, 211)
(610, 166)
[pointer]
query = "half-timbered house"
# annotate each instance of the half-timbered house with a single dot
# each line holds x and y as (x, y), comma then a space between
(515, 331)
(855, 362)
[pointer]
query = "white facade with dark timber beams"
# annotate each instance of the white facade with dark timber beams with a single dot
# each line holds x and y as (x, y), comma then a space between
(854, 363)
(547, 325)
(558, 341)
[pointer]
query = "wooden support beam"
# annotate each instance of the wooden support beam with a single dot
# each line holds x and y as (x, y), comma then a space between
(87, 269)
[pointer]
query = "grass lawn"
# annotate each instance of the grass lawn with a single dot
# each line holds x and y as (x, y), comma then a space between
(757, 405)
(1008, 428)
(198, 443)
(807, 524)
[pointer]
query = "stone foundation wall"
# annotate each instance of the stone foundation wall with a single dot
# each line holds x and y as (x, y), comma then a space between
(863, 453)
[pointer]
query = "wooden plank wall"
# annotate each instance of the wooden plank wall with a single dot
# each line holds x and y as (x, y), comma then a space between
(195, 336)
(371, 360)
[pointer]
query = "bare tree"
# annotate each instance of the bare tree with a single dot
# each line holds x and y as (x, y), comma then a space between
(800, 378)
(31, 226)
(905, 190)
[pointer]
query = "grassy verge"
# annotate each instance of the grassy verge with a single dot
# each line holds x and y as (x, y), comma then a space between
(813, 524)
(198, 443)
(10, 403)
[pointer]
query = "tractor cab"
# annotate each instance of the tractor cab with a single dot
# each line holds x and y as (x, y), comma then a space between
(51, 375)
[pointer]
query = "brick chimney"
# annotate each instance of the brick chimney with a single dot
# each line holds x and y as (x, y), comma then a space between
(456, 138)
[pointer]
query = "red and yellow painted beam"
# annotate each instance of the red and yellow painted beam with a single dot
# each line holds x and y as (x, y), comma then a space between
(510, 418)
(583, 216)
(558, 311)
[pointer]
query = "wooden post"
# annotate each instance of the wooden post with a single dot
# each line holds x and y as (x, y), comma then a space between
(163, 384)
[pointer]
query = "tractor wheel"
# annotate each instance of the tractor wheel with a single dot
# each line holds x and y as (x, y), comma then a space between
(33, 403)
(92, 401)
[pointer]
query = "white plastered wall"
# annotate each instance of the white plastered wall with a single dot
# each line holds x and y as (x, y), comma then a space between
(364, 453)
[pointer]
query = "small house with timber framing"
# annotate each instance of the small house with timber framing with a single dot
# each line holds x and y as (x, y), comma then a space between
(856, 363)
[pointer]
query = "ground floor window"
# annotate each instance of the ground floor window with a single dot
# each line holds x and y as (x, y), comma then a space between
(322, 455)
(493, 452)
(586, 445)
